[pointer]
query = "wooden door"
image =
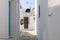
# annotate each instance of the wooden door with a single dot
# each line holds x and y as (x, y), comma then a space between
(25, 22)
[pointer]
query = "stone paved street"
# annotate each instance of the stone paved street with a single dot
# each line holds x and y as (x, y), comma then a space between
(25, 35)
(28, 35)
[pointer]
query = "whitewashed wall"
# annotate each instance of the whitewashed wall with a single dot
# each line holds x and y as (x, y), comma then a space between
(21, 17)
(21, 13)
(14, 18)
(54, 20)
(43, 20)
(31, 23)
(4, 19)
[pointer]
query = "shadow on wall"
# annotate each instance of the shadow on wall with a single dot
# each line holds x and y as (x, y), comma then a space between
(54, 23)
(55, 9)
(55, 13)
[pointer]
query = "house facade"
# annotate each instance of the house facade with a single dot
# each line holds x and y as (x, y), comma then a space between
(27, 15)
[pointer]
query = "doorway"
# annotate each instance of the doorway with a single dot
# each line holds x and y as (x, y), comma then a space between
(25, 22)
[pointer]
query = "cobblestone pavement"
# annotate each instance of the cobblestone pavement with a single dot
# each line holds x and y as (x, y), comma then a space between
(25, 35)
(28, 35)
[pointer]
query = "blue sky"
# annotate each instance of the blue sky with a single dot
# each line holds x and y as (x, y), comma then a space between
(25, 4)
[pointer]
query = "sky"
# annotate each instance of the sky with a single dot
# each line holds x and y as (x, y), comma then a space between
(27, 3)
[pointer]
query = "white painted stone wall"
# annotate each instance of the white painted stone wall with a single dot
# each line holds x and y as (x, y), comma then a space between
(54, 20)
(21, 13)
(14, 19)
(4, 19)
(21, 17)
(42, 21)
(31, 23)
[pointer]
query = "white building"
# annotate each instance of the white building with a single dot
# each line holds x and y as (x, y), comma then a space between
(30, 15)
